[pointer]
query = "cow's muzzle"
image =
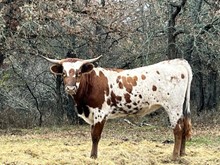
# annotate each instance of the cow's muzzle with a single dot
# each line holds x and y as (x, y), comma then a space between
(71, 90)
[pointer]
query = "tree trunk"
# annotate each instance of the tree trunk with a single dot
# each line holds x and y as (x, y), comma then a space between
(201, 96)
(204, 86)
(1, 59)
(212, 89)
(173, 10)
(59, 111)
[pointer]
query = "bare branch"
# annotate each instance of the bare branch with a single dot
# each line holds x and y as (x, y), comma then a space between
(209, 26)
(31, 92)
(213, 4)
(178, 8)
(181, 31)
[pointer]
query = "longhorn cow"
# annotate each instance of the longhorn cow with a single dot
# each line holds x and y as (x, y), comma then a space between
(103, 93)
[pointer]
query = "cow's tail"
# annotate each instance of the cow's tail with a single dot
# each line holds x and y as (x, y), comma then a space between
(186, 108)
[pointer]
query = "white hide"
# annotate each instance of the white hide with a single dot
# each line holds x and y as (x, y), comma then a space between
(170, 93)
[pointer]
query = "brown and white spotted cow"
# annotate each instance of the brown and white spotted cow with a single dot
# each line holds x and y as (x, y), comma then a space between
(102, 94)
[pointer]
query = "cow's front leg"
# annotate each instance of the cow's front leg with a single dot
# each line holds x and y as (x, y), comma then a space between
(96, 131)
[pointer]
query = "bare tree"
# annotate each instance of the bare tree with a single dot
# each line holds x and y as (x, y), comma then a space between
(127, 33)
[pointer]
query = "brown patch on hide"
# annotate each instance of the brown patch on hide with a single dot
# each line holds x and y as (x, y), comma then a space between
(104, 81)
(143, 77)
(127, 85)
(118, 79)
(173, 78)
(129, 82)
(92, 90)
(127, 98)
(182, 76)
(135, 78)
(113, 98)
(154, 88)
(108, 101)
(71, 72)
(120, 85)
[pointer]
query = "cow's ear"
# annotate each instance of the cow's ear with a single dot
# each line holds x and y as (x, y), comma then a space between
(85, 68)
(57, 69)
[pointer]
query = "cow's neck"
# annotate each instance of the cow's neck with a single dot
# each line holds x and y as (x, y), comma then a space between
(92, 89)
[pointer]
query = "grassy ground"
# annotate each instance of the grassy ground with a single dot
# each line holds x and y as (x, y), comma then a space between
(120, 144)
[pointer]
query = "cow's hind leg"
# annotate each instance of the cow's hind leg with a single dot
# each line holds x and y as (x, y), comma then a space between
(187, 132)
(178, 138)
(96, 131)
(183, 145)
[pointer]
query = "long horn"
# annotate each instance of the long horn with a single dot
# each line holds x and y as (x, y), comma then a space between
(52, 60)
(92, 60)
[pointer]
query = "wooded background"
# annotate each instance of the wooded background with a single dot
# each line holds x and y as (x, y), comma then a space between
(128, 33)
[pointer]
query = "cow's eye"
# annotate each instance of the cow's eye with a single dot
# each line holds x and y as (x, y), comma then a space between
(78, 74)
(64, 74)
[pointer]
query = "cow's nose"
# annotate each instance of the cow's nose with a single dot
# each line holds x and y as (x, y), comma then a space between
(70, 89)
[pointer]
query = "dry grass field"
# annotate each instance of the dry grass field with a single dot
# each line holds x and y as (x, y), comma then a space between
(121, 144)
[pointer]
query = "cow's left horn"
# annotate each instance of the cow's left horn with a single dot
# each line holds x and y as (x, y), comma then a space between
(52, 60)
(92, 60)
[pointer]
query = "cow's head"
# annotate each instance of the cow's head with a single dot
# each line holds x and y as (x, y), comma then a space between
(71, 70)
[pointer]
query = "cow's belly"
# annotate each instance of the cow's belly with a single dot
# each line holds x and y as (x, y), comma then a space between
(136, 112)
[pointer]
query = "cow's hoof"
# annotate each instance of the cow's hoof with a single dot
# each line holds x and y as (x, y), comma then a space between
(93, 156)
(175, 157)
(182, 154)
